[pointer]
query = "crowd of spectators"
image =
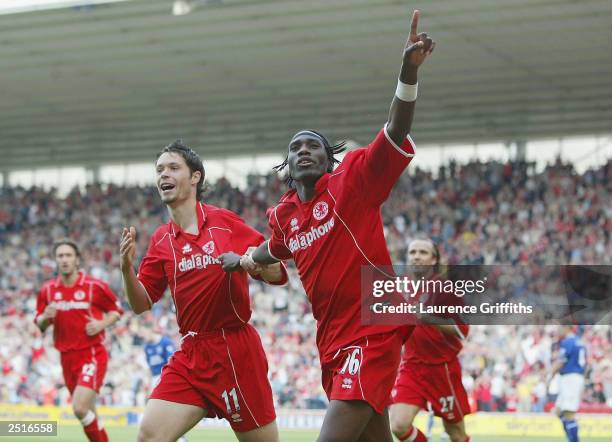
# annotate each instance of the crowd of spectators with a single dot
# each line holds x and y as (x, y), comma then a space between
(478, 213)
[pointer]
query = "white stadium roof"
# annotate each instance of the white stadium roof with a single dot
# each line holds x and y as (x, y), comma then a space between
(115, 82)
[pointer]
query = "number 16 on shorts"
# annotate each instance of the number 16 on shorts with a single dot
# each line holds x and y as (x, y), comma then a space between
(352, 362)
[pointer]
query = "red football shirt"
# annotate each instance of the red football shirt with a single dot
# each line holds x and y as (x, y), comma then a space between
(88, 297)
(428, 344)
(335, 233)
(206, 297)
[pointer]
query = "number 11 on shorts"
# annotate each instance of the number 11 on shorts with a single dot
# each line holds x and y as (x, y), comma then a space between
(234, 396)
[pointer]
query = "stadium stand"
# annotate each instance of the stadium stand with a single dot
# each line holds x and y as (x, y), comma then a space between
(478, 212)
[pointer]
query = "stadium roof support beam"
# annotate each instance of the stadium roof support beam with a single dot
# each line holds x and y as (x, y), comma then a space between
(93, 174)
(520, 153)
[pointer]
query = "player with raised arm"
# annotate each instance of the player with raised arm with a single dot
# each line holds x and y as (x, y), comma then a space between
(80, 307)
(430, 372)
(330, 224)
(571, 367)
(220, 369)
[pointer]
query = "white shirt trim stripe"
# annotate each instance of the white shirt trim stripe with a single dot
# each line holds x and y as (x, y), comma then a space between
(280, 228)
(270, 252)
(146, 293)
(450, 384)
(229, 289)
(458, 330)
(173, 291)
(162, 238)
(236, 378)
(399, 149)
(355, 239)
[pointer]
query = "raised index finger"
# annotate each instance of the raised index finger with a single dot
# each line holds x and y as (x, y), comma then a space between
(415, 22)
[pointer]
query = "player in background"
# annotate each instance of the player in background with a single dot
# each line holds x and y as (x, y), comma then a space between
(571, 367)
(80, 307)
(220, 369)
(158, 349)
(329, 223)
(430, 372)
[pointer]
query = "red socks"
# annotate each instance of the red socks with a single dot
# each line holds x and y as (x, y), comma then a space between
(413, 435)
(94, 432)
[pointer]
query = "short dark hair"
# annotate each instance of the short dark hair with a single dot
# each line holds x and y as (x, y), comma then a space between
(66, 242)
(330, 149)
(193, 160)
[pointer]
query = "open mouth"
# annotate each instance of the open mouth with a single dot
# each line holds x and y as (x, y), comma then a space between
(305, 162)
(167, 186)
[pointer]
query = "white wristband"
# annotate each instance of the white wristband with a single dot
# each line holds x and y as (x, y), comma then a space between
(406, 92)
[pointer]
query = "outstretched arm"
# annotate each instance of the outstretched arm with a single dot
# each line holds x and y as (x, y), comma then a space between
(418, 48)
(261, 255)
(374, 170)
(271, 273)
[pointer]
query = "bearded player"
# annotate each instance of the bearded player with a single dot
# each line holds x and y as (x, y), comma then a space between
(220, 369)
(80, 308)
(430, 372)
(329, 223)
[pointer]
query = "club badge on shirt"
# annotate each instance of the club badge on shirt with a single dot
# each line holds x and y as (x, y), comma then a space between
(320, 210)
(209, 247)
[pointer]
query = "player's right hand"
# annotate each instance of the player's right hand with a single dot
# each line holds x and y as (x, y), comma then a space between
(49, 312)
(127, 248)
(419, 46)
(247, 263)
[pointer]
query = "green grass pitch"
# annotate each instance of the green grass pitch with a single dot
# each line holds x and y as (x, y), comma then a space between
(125, 434)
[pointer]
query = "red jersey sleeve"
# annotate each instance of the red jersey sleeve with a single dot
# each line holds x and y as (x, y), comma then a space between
(151, 273)
(460, 326)
(462, 330)
(41, 302)
(374, 170)
(243, 235)
(105, 298)
(277, 246)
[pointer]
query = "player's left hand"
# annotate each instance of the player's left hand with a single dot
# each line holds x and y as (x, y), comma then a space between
(419, 46)
(94, 326)
(230, 261)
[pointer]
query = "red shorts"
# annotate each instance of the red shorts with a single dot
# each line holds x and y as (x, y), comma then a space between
(364, 370)
(439, 385)
(224, 372)
(85, 367)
